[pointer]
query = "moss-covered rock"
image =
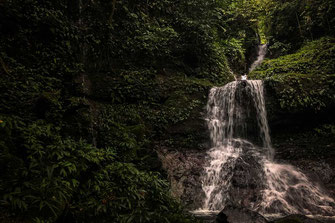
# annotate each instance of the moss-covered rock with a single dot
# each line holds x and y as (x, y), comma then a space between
(300, 84)
(300, 102)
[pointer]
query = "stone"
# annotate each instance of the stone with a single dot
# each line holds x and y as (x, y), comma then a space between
(232, 214)
(184, 170)
(296, 218)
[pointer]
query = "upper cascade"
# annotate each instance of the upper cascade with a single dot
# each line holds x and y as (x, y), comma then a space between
(260, 57)
(232, 107)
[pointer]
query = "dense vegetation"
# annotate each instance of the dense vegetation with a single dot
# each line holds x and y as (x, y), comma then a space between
(89, 89)
(300, 85)
(287, 24)
(303, 81)
(301, 101)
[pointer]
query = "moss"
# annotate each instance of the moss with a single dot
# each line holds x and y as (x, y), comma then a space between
(300, 103)
(314, 58)
(168, 103)
(303, 81)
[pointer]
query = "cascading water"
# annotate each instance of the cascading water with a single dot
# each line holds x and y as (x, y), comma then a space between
(261, 54)
(241, 170)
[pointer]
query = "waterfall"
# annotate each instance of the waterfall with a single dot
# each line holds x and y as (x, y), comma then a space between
(241, 169)
(260, 57)
(226, 116)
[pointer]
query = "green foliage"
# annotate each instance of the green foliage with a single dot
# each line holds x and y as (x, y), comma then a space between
(88, 89)
(156, 35)
(47, 173)
(292, 22)
(141, 198)
(305, 80)
(126, 136)
(170, 101)
(315, 57)
(54, 176)
(326, 130)
(168, 34)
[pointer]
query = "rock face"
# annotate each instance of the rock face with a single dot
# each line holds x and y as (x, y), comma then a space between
(311, 154)
(231, 214)
(248, 175)
(245, 105)
(240, 180)
(184, 171)
(185, 168)
(296, 218)
(303, 138)
(300, 106)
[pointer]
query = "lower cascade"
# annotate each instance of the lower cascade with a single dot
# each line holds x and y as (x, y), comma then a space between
(241, 170)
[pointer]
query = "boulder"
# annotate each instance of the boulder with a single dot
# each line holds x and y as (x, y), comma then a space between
(232, 214)
(296, 218)
(184, 170)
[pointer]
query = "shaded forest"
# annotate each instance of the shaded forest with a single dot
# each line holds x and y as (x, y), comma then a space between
(91, 90)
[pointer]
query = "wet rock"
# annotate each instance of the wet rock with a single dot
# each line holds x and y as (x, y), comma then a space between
(232, 214)
(247, 128)
(247, 178)
(296, 218)
(296, 140)
(221, 218)
(184, 169)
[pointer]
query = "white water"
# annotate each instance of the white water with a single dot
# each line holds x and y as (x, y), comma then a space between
(284, 189)
(225, 113)
(290, 191)
(260, 57)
